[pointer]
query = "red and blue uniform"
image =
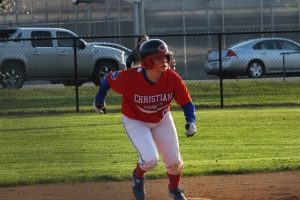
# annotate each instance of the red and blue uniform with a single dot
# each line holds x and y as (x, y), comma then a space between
(144, 100)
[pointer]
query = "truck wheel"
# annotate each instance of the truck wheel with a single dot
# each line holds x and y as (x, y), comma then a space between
(14, 77)
(103, 68)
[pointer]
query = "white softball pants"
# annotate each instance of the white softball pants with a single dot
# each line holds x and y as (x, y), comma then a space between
(151, 138)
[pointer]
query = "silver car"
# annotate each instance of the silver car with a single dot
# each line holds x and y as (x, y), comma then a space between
(256, 57)
(116, 46)
(47, 54)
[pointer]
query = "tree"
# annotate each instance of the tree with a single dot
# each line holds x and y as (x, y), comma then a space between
(6, 5)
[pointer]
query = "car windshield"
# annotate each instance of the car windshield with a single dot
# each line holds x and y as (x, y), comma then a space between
(286, 45)
(6, 34)
(240, 44)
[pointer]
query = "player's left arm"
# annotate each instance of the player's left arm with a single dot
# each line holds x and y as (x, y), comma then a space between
(190, 117)
(183, 98)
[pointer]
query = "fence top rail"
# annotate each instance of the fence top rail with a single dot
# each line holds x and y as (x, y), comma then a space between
(196, 34)
(162, 35)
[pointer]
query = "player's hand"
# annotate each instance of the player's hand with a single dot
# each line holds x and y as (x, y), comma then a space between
(190, 129)
(99, 107)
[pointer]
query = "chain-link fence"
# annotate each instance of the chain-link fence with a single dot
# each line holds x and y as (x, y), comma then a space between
(41, 71)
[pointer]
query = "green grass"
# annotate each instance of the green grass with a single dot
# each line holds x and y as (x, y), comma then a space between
(87, 147)
(237, 93)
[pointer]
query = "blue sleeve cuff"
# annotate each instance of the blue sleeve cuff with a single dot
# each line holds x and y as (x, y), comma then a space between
(189, 112)
(102, 92)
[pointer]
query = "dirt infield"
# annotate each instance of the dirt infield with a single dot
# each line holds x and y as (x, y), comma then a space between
(260, 186)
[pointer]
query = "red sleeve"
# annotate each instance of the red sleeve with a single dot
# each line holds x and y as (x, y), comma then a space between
(181, 93)
(117, 81)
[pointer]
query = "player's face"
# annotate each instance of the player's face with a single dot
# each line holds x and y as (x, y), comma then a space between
(161, 63)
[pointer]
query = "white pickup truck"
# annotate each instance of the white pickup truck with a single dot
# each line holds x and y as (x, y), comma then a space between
(48, 54)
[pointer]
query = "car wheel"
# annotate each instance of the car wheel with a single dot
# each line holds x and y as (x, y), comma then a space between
(256, 69)
(14, 77)
(102, 69)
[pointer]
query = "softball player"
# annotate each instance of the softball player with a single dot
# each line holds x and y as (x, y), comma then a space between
(133, 59)
(147, 93)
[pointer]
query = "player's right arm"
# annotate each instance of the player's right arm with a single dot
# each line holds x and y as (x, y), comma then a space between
(99, 103)
(116, 81)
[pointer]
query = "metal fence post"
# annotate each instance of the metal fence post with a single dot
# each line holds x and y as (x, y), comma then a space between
(76, 75)
(283, 66)
(221, 70)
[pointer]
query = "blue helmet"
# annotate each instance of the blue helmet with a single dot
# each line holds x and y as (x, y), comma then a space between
(151, 49)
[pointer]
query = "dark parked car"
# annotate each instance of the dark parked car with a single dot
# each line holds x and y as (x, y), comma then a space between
(256, 57)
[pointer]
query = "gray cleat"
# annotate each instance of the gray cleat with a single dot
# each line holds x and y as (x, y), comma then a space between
(138, 187)
(177, 194)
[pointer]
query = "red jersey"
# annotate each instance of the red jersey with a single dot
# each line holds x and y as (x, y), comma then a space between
(146, 101)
